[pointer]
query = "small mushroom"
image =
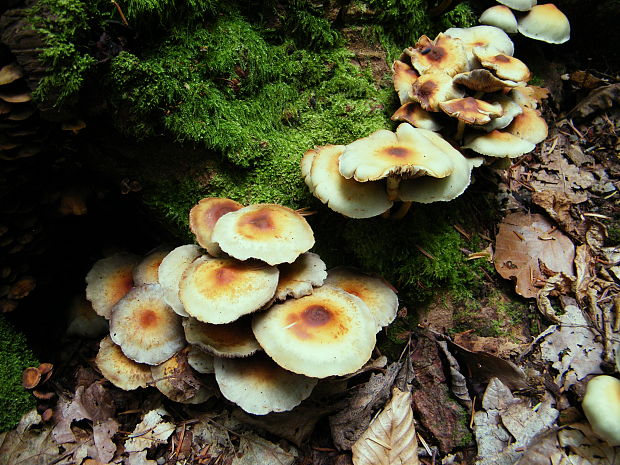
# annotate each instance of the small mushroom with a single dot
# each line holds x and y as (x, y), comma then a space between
(433, 88)
(234, 339)
(121, 371)
(329, 332)
(203, 217)
(259, 386)
(414, 114)
(10, 73)
(483, 80)
(510, 109)
(482, 36)
(498, 144)
(272, 233)
(444, 54)
(504, 66)
(403, 76)
(471, 110)
(171, 271)
(518, 5)
(500, 16)
(547, 23)
(145, 327)
(601, 404)
(299, 278)
(147, 271)
(220, 290)
(529, 125)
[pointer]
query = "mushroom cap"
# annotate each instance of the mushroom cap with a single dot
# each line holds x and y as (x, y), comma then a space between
(481, 36)
(177, 381)
(234, 339)
(471, 110)
(406, 153)
(10, 73)
(504, 66)
(510, 109)
(403, 76)
(414, 114)
(204, 215)
(428, 190)
(483, 80)
(329, 332)
(147, 271)
(500, 16)
(220, 290)
(546, 23)
(498, 144)
(83, 321)
(529, 125)
(199, 360)
(145, 327)
(259, 386)
(529, 96)
(601, 404)
(298, 279)
(519, 5)
(376, 293)
(432, 88)
(272, 233)
(109, 280)
(345, 196)
(120, 370)
(171, 271)
(445, 54)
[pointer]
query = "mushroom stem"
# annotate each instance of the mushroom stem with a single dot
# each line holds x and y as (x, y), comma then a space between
(459, 131)
(392, 187)
(401, 212)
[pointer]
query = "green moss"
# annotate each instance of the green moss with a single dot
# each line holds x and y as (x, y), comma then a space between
(462, 15)
(15, 356)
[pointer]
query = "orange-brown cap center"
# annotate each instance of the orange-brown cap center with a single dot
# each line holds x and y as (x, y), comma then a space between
(397, 152)
(261, 221)
(148, 318)
(225, 275)
(434, 53)
(316, 315)
(317, 323)
(501, 59)
(214, 214)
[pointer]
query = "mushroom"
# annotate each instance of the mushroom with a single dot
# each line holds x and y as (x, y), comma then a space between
(10, 73)
(220, 290)
(445, 54)
(546, 23)
(601, 404)
(481, 36)
(120, 370)
(498, 144)
(146, 272)
(414, 114)
(504, 66)
(171, 271)
(529, 96)
(329, 332)
(199, 360)
(404, 76)
(203, 217)
(345, 196)
(483, 80)
(109, 280)
(376, 293)
(234, 339)
(529, 125)
(510, 109)
(433, 88)
(298, 279)
(500, 16)
(259, 386)
(145, 327)
(272, 233)
(471, 110)
(384, 154)
(519, 5)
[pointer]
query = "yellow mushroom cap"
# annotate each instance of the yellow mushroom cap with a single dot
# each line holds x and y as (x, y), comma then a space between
(483, 80)
(272, 233)
(145, 327)
(518, 5)
(504, 66)
(404, 153)
(403, 76)
(203, 217)
(175, 379)
(259, 386)
(546, 23)
(109, 280)
(10, 73)
(146, 272)
(120, 370)
(234, 339)
(498, 144)
(471, 110)
(380, 297)
(345, 196)
(510, 109)
(171, 271)
(529, 125)
(414, 114)
(298, 279)
(433, 88)
(427, 190)
(329, 332)
(445, 54)
(220, 290)
(601, 404)
(500, 16)
(481, 36)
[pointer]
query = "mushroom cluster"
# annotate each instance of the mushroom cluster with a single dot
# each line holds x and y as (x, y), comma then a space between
(466, 86)
(248, 310)
(540, 22)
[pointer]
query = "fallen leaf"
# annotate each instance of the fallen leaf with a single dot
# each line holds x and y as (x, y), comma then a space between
(560, 208)
(583, 444)
(599, 99)
(523, 242)
(103, 431)
(391, 438)
(150, 432)
(28, 444)
(459, 382)
(254, 450)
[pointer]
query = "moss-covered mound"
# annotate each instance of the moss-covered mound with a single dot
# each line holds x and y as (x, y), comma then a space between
(15, 356)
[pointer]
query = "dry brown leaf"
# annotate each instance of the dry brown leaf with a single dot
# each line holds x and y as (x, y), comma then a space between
(601, 98)
(254, 450)
(391, 438)
(585, 448)
(524, 242)
(150, 432)
(27, 445)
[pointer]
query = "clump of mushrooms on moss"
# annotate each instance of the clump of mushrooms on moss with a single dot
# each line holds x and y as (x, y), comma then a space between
(248, 312)
(462, 95)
